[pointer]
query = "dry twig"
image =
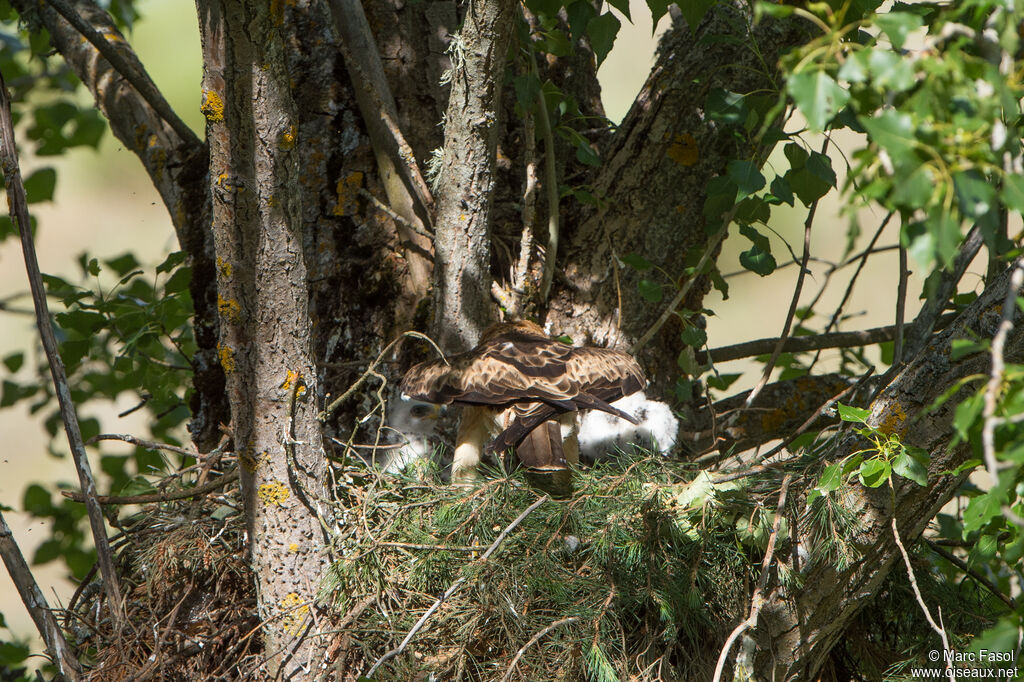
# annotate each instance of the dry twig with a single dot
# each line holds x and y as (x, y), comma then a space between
(20, 218)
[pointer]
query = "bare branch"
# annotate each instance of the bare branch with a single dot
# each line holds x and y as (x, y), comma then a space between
(799, 344)
(19, 216)
(183, 494)
(994, 388)
(36, 604)
(127, 68)
(920, 601)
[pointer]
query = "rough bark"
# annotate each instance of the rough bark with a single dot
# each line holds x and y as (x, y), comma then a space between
(653, 179)
(266, 345)
(462, 304)
(176, 165)
(799, 627)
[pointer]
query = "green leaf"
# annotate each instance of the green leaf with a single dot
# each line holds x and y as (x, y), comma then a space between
(796, 155)
(658, 9)
(857, 415)
(527, 88)
(831, 478)
(81, 321)
(721, 382)
(893, 131)
(756, 260)
(898, 25)
(781, 190)
(36, 501)
(817, 96)
(650, 290)
(694, 336)
(40, 185)
(579, 14)
(637, 262)
(693, 11)
(14, 361)
(1012, 193)
(725, 106)
(122, 264)
(747, 177)
(908, 467)
(968, 413)
(961, 348)
(602, 31)
(813, 179)
(621, 5)
(975, 194)
(874, 472)
(983, 509)
(172, 261)
(914, 190)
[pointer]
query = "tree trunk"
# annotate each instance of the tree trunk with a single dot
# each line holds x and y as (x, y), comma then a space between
(265, 342)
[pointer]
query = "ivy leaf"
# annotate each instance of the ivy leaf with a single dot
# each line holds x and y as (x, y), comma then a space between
(781, 191)
(14, 361)
(722, 382)
(817, 96)
(725, 106)
(758, 258)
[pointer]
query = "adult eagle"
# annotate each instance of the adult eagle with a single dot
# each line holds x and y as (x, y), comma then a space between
(524, 387)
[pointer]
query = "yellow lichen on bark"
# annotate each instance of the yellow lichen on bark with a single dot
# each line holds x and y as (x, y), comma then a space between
(289, 136)
(683, 150)
(224, 268)
(227, 358)
(295, 614)
(895, 420)
(275, 493)
(212, 106)
(229, 309)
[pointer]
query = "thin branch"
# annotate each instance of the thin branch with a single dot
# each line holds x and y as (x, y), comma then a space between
(762, 582)
(19, 216)
(670, 309)
(551, 191)
(962, 565)
(924, 324)
(801, 344)
(158, 497)
(389, 212)
(995, 383)
(920, 600)
(533, 640)
(142, 84)
(529, 203)
(901, 308)
(453, 589)
(143, 443)
(376, 102)
(371, 371)
(35, 602)
(794, 301)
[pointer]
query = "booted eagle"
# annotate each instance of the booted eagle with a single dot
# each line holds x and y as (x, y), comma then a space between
(526, 388)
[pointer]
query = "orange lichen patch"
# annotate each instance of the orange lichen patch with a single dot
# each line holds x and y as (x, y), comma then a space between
(229, 309)
(683, 150)
(224, 268)
(348, 190)
(212, 106)
(227, 358)
(288, 137)
(293, 548)
(253, 462)
(894, 421)
(295, 612)
(274, 493)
